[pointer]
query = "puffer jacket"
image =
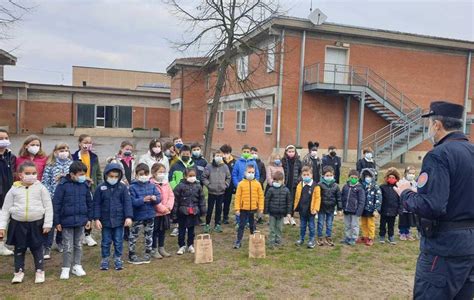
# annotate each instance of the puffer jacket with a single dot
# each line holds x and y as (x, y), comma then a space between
(177, 172)
(167, 198)
(95, 172)
(315, 197)
(391, 203)
(249, 196)
(39, 161)
(271, 170)
(278, 201)
(27, 205)
(373, 195)
(216, 178)
(230, 164)
(240, 167)
(330, 197)
(53, 172)
(112, 204)
(7, 171)
(200, 163)
(296, 171)
(353, 199)
(150, 160)
(143, 210)
(189, 196)
(262, 171)
(72, 203)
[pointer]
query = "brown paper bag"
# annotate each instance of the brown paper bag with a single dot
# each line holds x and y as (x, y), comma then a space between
(257, 245)
(203, 252)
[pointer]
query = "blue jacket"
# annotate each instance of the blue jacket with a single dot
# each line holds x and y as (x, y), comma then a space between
(72, 203)
(112, 204)
(199, 163)
(353, 199)
(143, 210)
(240, 166)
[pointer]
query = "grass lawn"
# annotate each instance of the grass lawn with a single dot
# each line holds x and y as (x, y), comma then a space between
(380, 271)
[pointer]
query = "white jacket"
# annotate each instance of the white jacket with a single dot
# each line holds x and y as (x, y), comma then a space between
(27, 205)
(150, 161)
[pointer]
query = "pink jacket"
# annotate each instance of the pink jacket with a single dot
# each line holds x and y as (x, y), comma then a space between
(271, 170)
(167, 198)
(40, 162)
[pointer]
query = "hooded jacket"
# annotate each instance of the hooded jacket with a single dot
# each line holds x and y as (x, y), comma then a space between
(177, 172)
(58, 169)
(143, 210)
(373, 195)
(278, 201)
(353, 199)
(216, 178)
(295, 175)
(240, 167)
(199, 163)
(112, 203)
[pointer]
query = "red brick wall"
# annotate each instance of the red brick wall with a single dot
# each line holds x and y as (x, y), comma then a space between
(158, 118)
(8, 114)
(194, 106)
(137, 117)
(37, 115)
(174, 123)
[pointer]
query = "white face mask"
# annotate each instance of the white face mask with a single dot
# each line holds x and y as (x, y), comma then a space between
(410, 177)
(156, 150)
(33, 149)
(29, 179)
(431, 135)
(314, 153)
(219, 160)
(5, 143)
(250, 176)
(112, 181)
(369, 156)
(160, 177)
(144, 178)
(191, 179)
(63, 155)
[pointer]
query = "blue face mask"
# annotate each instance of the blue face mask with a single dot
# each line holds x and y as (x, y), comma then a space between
(306, 179)
(368, 180)
(178, 145)
(81, 179)
(276, 184)
(277, 162)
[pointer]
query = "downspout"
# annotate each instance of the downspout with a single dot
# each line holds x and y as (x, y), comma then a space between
(181, 105)
(300, 93)
(18, 129)
(466, 91)
(280, 89)
(72, 109)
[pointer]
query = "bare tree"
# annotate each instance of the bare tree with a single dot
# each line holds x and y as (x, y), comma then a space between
(220, 27)
(11, 12)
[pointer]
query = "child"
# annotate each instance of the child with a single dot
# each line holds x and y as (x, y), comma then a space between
(353, 200)
(171, 154)
(73, 213)
(229, 160)
(199, 161)
(144, 197)
(292, 169)
(93, 175)
(278, 204)
(373, 198)
(162, 210)
(274, 165)
(178, 143)
(248, 200)
(367, 162)
(189, 205)
(408, 219)
(7, 174)
(112, 212)
(312, 160)
(126, 159)
(330, 199)
(57, 167)
(391, 206)
(155, 155)
(32, 151)
(29, 214)
(307, 203)
(177, 171)
(261, 166)
(334, 161)
(216, 178)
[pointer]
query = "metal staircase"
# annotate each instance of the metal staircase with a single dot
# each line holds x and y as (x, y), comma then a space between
(406, 128)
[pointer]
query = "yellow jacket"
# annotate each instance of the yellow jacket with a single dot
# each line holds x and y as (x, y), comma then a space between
(316, 198)
(249, 196)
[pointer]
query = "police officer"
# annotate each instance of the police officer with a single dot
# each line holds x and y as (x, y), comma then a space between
(444, 203)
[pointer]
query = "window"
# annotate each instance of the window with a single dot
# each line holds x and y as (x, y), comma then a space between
(220, 119)
(208, 82)
(271, 57)
(85, 115)
(241, 122)
(243, 67)
(268, 120)
(90, 116)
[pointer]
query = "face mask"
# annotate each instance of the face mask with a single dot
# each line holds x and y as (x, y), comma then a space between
(156, 150)
(178, 145)
(219, 160)
(306, 179)
(314, 153)
(33, 149)
(81, 179)
(368, 180)
(168, 153)
(277, 162)
(5, 143)
(191, 179)
(291, 155)
(112, 181)
(276, 184)
(29, 179)
(368, 156)
(160, 177)
(392, 181)
(127, 153)
(353, 181)
(255, 156)
(247, 156)
(329, 178)
(144, 178)
(87, 147)
(185, 158)
(410, 177)
(63, 155)
(196, 153)
(431, 135)
(332, 153)
(249, 176)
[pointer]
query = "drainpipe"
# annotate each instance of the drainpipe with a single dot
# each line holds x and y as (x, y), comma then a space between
(72, 109)
(300, 94)
(181, 104)
(280, 89)
(18, 129)
(466, 91)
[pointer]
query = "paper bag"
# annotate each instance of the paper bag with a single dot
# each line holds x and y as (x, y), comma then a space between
(257, 245)
(204, 253)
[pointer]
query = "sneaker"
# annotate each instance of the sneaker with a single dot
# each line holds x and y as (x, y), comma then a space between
(134, 259)
(104, 264)
(78, 271)
(207, 228)
(292, 221)
(391, 240)
(361, 240)
(403, 237)
(39, 276)
(299, 243)
(286, 221)
(236, 227)
(147, 258)
(351, 242)
(181, 250)
(60, 248)
(64, 273)
(311, 244)
(260, 221)
(89, 241)
(225, 222)
(191, 249)
(320, 242)
(18, 277)
(410, 238)
(202, 224)
(329, 242)
(47, 253)
(237, 245)
(163, 252)
(156, 254)
(118, 264)
(174, 232)
(218, 228)
(4, 251)
(382, 240)
(369, 242)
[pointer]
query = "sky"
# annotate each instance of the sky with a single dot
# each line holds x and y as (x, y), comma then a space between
(137, 35)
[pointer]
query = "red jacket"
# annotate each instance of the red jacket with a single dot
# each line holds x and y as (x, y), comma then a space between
(40, 162)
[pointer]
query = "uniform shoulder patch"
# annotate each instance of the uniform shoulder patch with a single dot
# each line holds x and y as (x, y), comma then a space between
(422, 180)
(103, 188)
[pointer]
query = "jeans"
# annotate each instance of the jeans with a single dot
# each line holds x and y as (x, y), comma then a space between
(147, 233)
(307, 221)
(276, 226)
(48, 242)
(325, 218)
(245, 215)
(226, 203)
(351, 226)
(182, 233)
(217, 201)
(389, 222)
(110, 235)
(72, 243)
(20, 258)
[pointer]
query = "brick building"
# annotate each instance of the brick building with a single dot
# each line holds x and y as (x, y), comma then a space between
(346, 86)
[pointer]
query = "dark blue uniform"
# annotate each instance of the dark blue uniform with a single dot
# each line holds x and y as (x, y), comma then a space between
(445, 267)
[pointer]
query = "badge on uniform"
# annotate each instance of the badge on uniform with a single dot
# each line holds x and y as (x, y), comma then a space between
(422, 180)
(103, 188)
